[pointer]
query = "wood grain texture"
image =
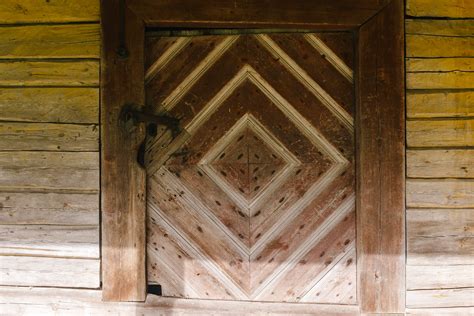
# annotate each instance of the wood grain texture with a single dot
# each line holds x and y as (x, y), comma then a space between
(49, 208)
(440, 73)
(48, 137)
(439, 27)
(440, 80)
(448, 311)
(50, 105)
(440, 298)
(237, 198)
(439, 46)
(440, 237)
(50, 41)
(435, 163)
(440, 277)
(50, 241)
(49, 73)
(381, 165)
(44, 271)
(449, 193)
(441, 133)
(438, 104)
(344, 14)
(122, 179)
(439, 222)
(34, 301)
(56, 11)
(443, 8)
(47, 171)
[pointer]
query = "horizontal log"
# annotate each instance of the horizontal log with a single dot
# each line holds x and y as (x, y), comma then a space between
(50, 241)
(443, 8)
(440, 298)
(48, 137)
(59, 105)
(49, 73)
(440, 250)
(44, 271)
(440, 193)
(49, 208)
(439, 277)
(440, 64)
(56, 11)
(439, 27)
(440, 80)
(452, 163)
(436, 104)
(440, 237)
(440, 73)
(45, 301)
(43, 171)
(440, 133)
(450, 311)
(440, 222)
(439, 46)
(50, 41)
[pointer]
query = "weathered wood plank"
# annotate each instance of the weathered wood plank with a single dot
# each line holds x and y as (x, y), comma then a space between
(43, 171)
(440, 73)
(48, 137)
(45, 301)
(440, 237)
(440, 222)
(44, 271)
(49, 208)
(450, 311)
(59, 105)
(440, 250)
(50, 41)
(443, 8)
(440, 133)
(439, 46)
(50, 241)
(437, 104)
(439, 27)
(440, 80)
(440, 193)
(319, 14)
(381, 165)
(57, 11)
(452, 163)
(440, 298)
(123, 185)
(49, 73)
(439, 277)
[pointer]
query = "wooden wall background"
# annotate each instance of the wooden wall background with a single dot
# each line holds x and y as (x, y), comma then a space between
(49, 142)
(440, 156)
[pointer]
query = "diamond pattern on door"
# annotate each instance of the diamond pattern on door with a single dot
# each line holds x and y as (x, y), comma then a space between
(254, 200)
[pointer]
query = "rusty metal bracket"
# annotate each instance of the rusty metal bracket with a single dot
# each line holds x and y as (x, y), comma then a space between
(132, 116)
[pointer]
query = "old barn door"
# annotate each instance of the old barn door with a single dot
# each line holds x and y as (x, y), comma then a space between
(255, 198)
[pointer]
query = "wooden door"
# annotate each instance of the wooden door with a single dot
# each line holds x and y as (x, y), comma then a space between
(255, 198)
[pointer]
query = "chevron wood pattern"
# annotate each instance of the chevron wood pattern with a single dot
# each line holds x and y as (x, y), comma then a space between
(255, 199)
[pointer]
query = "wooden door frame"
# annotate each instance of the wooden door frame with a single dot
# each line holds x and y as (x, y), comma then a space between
(380, 129)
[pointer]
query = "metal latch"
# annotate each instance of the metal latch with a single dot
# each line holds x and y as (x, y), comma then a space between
(132, 116)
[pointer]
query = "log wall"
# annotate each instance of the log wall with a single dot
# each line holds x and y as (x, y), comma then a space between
(440, 157)
(49, 143)
(49, 175)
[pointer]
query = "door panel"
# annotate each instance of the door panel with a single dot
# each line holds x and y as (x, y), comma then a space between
(255, 198)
